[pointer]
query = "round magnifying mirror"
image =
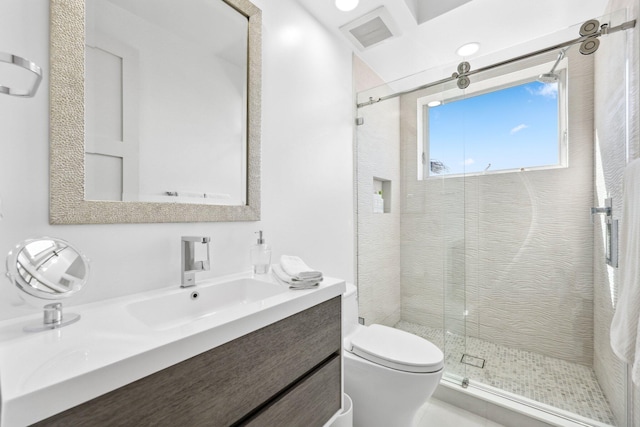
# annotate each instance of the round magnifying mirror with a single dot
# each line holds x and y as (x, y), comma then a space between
(51, 269)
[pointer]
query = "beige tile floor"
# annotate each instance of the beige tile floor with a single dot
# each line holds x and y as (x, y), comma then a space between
(436, 413)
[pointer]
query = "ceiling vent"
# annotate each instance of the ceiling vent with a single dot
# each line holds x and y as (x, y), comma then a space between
(370, 29)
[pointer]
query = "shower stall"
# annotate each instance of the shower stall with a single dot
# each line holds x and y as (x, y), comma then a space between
(475, 188)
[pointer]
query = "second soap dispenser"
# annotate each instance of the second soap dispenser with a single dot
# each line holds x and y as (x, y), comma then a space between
(260, 255)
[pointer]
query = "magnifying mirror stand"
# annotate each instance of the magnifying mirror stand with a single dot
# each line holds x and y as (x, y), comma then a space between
(53, 319)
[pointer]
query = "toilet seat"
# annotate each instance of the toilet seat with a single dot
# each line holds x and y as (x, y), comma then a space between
(397, 349)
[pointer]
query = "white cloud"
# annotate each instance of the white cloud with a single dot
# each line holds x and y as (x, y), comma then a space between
(518, 128)
(548, 90)
(469, 161)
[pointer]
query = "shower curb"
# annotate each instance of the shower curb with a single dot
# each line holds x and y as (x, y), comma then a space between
(502, 410)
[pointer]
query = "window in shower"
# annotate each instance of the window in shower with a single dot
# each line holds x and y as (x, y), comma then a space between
(513, 127)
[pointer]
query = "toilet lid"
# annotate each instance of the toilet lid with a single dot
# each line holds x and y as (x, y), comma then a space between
(397, 349)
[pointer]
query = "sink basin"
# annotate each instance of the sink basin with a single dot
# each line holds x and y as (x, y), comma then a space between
(122, 340)
(186, 305)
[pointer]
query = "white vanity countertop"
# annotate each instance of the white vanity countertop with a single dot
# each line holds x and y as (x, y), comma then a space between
(44, 373)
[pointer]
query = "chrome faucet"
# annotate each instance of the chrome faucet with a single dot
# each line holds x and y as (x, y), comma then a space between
(190, 266)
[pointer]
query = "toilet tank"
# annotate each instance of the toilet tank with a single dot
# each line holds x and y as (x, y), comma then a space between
(349, 310)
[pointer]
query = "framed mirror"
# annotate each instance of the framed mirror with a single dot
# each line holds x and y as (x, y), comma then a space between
(154, 111)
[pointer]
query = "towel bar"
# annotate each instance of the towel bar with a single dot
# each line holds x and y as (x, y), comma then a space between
(26, 64)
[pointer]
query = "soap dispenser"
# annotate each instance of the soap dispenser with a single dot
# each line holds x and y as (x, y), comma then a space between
(260, 255)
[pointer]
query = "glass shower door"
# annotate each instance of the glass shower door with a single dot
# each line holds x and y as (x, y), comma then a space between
(434, 245)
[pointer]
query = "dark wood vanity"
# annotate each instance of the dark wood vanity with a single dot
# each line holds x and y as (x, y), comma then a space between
(285, 374)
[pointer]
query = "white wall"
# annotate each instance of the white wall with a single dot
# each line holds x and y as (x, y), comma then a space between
(307, 195)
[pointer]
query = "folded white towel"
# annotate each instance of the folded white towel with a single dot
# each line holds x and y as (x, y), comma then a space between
(625, 330)
(293, 283)
(296, 268)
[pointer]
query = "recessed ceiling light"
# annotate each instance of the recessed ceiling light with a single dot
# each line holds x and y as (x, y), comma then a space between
(346, 5)
(468, 49)
(434, 103)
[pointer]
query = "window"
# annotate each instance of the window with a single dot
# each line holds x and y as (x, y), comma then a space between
(516, 126)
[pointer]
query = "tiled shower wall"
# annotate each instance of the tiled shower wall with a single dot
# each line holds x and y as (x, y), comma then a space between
(512, 249)
(378, 247)
(616, 135)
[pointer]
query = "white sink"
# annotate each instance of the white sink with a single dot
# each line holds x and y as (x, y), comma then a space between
(186, 305)
(112, 344)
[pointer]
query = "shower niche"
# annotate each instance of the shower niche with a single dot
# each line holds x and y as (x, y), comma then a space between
(381, 195)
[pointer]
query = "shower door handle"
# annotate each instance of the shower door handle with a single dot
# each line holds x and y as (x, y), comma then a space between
(611, 225)
(606, 210)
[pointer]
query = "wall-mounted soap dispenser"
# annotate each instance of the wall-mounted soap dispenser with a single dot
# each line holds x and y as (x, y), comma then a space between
(260, 255)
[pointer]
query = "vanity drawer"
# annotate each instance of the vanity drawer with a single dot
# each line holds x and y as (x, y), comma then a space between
(223, 385)
(311, 402)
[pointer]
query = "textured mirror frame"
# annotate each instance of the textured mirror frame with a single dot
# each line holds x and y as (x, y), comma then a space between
(66, 104)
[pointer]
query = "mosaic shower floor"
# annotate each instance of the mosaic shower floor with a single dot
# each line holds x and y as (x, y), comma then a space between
(548, 380)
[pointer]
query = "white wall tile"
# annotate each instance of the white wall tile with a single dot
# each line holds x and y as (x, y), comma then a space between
(378, 247)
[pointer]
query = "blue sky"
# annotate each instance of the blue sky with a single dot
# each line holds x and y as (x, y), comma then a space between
(510, 128)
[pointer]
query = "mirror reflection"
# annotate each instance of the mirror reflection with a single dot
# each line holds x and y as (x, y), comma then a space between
(47, 268)
(166, 101)
(153, 153)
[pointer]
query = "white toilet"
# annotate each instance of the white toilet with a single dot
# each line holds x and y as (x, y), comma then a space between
(388, 373)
